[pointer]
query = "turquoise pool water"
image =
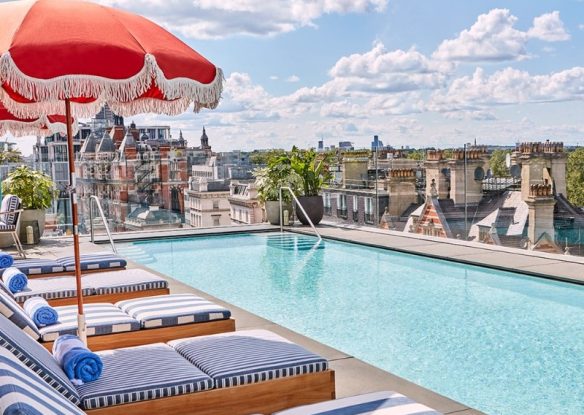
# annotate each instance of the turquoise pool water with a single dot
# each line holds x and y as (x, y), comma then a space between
(500, 342)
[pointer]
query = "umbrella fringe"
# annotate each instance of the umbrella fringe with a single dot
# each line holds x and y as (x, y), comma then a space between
(37, 109)
(41, 127)
(123, 94)
(70, 86)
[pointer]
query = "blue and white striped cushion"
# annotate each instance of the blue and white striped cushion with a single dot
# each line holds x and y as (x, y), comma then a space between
(101, 318)
(53, 288)
(376, 403)
(141, 373)
(9, 204)
(124, 281)
(10, 309)
(104, 260)
(38, 266)
(23, 392)
(172, 310)
(4, 288)
(252, 356)
(37, 358)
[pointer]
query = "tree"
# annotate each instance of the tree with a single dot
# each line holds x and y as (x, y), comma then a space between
(575, 177)
(497, 163)
(417, 155)
(10, 155)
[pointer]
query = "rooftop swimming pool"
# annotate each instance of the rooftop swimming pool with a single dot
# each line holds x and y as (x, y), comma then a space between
(501, 342)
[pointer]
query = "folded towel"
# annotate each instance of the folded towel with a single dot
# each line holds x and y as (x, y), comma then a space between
(6, 260)
(78, 362)
(14, 279)
(40, 311)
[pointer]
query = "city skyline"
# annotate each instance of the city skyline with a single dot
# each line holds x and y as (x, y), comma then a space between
(412, 73)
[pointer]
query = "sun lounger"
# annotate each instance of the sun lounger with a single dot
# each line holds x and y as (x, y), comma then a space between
(128, 323)
(376, 403)
(238, 373)
(102, 261)
(104, 287)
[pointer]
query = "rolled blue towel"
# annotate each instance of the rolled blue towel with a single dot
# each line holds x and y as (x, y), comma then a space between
(6, 260)
(78, 362)
(14, 279)
(40, 311)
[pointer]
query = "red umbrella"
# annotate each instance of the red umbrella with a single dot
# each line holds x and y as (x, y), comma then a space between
(45, 125)
(80, 55)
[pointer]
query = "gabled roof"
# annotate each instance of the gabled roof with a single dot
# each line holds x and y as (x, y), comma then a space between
(106, 145)
(90, 144)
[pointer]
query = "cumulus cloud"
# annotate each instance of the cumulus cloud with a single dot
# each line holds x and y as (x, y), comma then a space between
(493, 37)
(509, 86)
(211, 19)
(548, 27)
(293, 79)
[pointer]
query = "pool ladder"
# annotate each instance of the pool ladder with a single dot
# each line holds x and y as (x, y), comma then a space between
(95, 199)
(301, 208)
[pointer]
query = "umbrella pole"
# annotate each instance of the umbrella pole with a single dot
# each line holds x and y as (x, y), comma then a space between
(81, 326)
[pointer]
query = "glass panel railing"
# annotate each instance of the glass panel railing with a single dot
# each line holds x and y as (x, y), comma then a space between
(455, 194)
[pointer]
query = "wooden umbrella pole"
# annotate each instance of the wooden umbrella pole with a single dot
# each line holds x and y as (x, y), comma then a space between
(81, 327)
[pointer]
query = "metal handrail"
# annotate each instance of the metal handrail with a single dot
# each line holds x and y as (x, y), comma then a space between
(301, 208)
(109, 235)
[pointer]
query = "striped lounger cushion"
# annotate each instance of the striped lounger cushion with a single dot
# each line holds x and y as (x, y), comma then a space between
(172, 310)
(37, 358)
(124, 281)
(10, 309)
(376, 403)
(103, 260)
(101, 318)
(5, 289)
(244, 357)
(141, 373)
(52, 288)
(38, 266)
(23, 392)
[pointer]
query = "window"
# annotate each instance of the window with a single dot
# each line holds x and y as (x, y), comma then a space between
(342, 206)
(215, 204)
(327, 199)
(369, 210)
(355, 203)
(216, 220)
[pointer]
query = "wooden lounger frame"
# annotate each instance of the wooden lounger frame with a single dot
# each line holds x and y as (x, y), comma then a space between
(155, 335)
(257, 398)
(69, 273)
(109, 298)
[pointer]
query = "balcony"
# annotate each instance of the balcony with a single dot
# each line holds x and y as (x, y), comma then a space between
(369, 218)
(342, 213)
(355, 216)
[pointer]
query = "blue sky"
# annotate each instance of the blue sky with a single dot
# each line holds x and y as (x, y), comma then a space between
(415, 72)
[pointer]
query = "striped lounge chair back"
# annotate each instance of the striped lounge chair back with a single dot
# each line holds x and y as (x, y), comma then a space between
(22, 391)
(10, 204)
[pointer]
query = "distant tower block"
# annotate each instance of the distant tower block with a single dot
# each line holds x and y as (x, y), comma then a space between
(435, 171)
(476, 167)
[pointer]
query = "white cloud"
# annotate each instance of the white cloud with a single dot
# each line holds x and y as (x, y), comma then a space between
(581, 26)
(274, 78)
(509, 86)
(548, 27)
(208, 19)
(379, 61)
(293, 79)
(493, 37)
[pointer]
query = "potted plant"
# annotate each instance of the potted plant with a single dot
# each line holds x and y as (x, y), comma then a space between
(314, 173)
(269, 180)
(36, 191)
